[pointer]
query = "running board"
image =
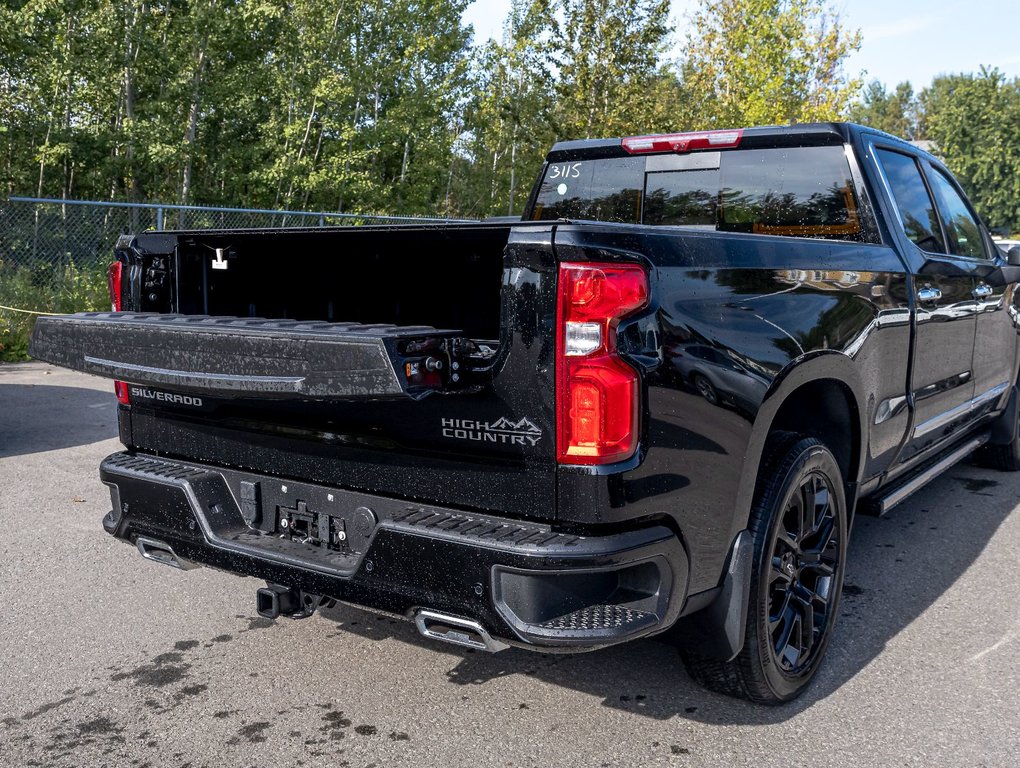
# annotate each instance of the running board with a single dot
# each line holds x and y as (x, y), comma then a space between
(893, 496)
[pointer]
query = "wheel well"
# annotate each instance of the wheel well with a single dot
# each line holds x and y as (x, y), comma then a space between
(826, 410)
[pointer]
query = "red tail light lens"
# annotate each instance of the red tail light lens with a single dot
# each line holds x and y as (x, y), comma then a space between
(596, 391)
(683, 142)
(113, 282)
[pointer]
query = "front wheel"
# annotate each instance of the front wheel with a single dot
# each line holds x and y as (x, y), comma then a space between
(1006, 456)
(799, 529)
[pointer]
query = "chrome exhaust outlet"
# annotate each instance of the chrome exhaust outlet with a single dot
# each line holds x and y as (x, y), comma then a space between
(453, 629)
(161, 552)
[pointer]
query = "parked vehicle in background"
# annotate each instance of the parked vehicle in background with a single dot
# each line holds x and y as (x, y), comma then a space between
(1004, 245)
(719, 378)
(480, 426)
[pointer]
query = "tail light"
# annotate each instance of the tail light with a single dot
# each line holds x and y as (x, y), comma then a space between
(596, 391)
(114, 282)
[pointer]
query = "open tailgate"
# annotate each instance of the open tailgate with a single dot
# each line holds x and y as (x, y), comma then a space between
(249, 357)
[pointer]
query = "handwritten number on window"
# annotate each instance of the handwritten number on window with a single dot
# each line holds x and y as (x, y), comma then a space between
(565, 171)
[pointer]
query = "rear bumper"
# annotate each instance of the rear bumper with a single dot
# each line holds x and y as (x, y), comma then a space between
(523, 582)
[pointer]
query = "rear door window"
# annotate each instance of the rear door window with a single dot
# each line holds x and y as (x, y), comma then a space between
(917, 211)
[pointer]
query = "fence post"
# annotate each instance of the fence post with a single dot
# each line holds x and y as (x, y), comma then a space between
(159, 217)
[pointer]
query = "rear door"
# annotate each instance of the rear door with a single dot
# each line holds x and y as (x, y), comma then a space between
(995, 343)
(942, 382)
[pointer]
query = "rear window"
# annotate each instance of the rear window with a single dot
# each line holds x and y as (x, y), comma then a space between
(797, 191)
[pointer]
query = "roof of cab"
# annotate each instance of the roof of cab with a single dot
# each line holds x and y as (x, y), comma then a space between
(758, 137)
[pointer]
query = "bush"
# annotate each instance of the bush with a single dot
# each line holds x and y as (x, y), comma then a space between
(56, 288)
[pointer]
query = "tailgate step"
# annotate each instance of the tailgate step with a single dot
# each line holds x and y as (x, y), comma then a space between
(247, 357)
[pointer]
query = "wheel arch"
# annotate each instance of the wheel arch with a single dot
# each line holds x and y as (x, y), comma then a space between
(818, 396)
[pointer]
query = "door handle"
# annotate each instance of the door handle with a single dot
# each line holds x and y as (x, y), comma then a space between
(982, 291)
(928, 294)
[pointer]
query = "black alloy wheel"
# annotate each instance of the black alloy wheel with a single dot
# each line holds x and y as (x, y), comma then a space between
(806, 551)
(799, 528)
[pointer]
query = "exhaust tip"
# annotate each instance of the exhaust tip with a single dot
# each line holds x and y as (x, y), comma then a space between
(161, 552)
(466, 633)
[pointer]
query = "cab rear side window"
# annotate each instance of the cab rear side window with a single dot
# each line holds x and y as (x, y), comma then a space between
(794, 192)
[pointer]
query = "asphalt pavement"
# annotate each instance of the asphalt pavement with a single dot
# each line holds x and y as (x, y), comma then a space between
(106, 659)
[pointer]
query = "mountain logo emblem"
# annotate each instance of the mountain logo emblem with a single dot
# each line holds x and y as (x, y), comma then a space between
(503, 424)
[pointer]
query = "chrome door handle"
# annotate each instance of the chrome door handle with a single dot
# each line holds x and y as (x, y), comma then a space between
(982, 291)
(929, 294)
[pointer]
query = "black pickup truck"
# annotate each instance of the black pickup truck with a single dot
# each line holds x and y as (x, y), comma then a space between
(651, 406)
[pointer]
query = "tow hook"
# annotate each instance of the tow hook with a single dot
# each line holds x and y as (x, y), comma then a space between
(275, 600)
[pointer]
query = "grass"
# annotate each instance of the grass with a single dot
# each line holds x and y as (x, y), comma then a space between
(53, 288)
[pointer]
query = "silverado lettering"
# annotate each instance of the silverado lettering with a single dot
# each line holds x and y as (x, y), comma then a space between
(727, 345)
(165, 397)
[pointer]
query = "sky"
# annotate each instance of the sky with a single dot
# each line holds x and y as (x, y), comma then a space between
(911, 40)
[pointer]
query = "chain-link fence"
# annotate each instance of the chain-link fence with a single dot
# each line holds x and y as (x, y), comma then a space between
(54, 253)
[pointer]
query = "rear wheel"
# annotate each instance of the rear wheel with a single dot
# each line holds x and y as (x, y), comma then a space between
(799, 528)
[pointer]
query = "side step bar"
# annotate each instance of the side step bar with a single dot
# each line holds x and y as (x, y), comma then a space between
(895, 495)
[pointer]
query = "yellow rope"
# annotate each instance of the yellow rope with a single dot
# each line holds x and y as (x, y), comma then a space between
(28, 311)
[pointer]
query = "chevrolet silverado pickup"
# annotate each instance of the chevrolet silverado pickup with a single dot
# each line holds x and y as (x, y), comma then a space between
(652, 406)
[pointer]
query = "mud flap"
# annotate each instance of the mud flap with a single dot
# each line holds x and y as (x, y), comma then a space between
(717, 631)
(245, 357)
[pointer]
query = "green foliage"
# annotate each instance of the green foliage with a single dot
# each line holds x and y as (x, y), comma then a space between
(761, 62)
(896, 113)
(377, 106)
(68, 288)
(613, 80)
(973, 121)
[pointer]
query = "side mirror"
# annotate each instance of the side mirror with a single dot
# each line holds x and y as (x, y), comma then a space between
(1013, 256)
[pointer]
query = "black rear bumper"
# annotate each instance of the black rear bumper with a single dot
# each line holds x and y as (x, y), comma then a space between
(523, 582)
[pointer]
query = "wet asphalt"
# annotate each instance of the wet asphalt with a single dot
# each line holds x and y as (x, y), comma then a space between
(106, 659)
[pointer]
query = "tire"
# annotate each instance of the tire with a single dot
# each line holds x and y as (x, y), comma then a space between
(1005, 457)
(799, 529)
(705, 388)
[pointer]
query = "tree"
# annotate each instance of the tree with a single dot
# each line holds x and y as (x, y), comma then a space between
(972, 120)
(508, 124)
(895, 113)
(612, 79)
(755, 62)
